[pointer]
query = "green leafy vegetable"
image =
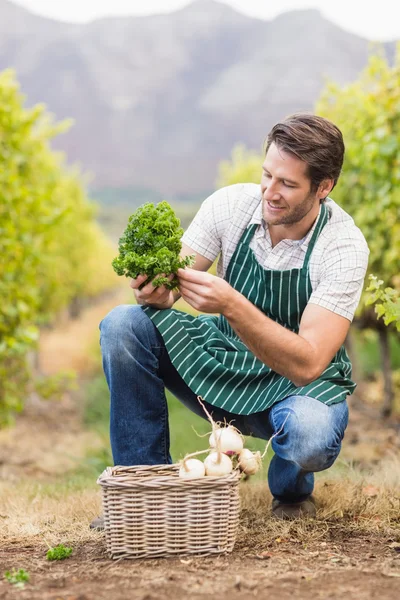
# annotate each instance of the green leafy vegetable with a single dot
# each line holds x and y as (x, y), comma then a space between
(58, 553)
(150, 245)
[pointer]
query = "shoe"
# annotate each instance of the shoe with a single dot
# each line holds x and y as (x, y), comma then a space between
(97, 524)
(294, 510)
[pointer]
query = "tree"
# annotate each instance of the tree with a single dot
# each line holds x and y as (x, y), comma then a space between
(51, 248)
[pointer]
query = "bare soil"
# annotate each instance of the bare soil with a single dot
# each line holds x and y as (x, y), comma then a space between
(359, 568)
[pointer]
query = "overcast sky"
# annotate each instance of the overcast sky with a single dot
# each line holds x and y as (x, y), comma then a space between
(379, 20)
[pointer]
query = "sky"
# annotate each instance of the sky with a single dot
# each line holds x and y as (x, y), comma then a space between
(379, 20)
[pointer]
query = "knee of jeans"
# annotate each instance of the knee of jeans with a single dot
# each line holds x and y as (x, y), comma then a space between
(121, 321)
(313, 433)
(316, 459)
(312, 444)
(315, 450)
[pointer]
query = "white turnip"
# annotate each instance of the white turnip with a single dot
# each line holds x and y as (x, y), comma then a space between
(218, 464)
(226, 439)
(192, 468)
(249, 462)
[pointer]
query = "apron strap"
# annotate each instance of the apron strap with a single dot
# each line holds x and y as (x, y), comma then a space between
(322, 221)
(248, 234)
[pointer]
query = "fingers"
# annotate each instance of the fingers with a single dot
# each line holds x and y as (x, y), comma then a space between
(148, 293)
(136, 283)
(196, 288)
(188, 274)
(192, 299)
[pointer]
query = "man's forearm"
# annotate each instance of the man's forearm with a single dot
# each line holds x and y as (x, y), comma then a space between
(283, 351)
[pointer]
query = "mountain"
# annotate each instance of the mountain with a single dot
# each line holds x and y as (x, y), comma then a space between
(159, 100)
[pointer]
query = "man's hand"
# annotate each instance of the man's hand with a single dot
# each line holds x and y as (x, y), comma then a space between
(204, 291)
(156, 297)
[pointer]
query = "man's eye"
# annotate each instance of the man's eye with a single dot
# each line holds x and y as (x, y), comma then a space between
(288, 185)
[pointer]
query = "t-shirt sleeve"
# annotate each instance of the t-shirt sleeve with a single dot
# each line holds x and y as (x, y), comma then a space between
(204, 234)
(342, 276)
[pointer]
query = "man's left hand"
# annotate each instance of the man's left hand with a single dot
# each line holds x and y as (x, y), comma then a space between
(205, 292)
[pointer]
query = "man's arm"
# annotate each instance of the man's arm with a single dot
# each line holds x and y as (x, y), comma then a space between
(201, 263)
(300, 357)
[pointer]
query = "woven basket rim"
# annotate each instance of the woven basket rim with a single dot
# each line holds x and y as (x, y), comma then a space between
(150, 476)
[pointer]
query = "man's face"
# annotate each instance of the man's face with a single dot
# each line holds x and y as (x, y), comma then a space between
(286, 188)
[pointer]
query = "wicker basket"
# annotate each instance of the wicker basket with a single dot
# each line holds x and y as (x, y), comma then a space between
(152, 512)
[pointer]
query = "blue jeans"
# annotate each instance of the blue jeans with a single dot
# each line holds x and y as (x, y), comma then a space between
(138, 369)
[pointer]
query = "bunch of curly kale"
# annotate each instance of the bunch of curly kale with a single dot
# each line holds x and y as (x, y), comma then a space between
(151, 245)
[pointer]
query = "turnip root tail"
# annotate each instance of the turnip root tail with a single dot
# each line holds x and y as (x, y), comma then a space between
(275, 434)
(183, 461)
(214, 428)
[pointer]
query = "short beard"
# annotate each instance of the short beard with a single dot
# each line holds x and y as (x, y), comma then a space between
(297, 214)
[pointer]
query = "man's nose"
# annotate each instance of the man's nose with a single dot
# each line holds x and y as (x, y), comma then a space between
(271, 191)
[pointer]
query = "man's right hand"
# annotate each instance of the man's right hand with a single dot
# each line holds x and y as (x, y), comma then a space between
(159, 297)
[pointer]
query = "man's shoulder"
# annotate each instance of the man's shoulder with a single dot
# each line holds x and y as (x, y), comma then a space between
(341, 225)
(243, 197)
(235, 201)
(238, 191)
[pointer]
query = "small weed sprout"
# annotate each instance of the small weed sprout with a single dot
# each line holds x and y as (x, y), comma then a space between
(58, 553)
(18, 578)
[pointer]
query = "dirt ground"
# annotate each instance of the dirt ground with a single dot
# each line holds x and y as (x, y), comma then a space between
(336, 556)
(339, 566)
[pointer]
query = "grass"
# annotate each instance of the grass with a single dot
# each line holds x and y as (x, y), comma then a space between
(59, 512)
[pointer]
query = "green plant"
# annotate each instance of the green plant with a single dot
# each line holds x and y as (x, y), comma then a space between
(53, 387)
(18, 578)
(44, 211)
(386, 300)
(243, 165)
(60, 552)
(150, 245)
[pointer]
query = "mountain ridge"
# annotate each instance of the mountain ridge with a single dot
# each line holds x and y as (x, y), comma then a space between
(159, 100)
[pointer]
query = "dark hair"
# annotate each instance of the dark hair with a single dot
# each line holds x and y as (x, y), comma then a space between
(315, 140)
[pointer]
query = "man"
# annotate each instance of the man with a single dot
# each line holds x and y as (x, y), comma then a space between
(290, 275)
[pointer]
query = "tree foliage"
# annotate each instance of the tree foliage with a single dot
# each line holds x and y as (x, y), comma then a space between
(52, 250)
(244, 166)
(386, 301)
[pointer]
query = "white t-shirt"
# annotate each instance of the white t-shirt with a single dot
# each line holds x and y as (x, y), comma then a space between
(338, 262)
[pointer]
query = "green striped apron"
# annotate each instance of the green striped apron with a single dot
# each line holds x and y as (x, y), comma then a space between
(218, 366)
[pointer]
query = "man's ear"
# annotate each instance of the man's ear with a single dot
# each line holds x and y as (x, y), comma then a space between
(325, 188)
